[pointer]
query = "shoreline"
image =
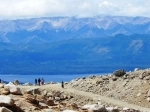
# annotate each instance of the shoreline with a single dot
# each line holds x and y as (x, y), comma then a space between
(48, 78)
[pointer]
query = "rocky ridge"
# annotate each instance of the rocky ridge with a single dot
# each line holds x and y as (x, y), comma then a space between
(132, 87)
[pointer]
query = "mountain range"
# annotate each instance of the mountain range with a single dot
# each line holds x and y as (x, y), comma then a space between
(72, 45)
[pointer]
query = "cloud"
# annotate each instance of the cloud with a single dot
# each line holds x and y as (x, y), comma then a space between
(108, 8)
(135, 10)
(12, 9)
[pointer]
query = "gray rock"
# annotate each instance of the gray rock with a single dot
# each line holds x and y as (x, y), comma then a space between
(33, 91)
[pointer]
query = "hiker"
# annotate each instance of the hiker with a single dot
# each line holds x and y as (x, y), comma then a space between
(42, 81)
(62, 84)
(0, 81)
(35, 81)
(39, 81)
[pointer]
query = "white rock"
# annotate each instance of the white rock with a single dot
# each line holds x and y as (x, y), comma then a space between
(26, 84)
(3, 109)
(92, 107)
(109, 109)
(125, 108)
(136, 69)
(15, 90)
(148, 99)
(139, 94)
(6, 101)
(57, 98)
(48, 110)
(8, 85)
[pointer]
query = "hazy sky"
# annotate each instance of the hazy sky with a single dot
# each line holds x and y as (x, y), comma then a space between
(13, 9)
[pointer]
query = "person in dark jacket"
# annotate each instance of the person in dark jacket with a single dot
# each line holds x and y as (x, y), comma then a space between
(35, 81)
(39, 81)
(62, 84)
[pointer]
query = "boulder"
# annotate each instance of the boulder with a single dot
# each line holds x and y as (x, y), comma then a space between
(1, 85)
(5, 91)
(4, 109)
(119, 73)
(6, 101)
(15, 90)
(8, 85)
(33, 91)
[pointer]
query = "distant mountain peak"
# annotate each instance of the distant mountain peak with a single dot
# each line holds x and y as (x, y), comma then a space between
(59, 28)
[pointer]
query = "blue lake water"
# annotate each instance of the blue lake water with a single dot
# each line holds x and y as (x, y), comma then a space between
(47, 78)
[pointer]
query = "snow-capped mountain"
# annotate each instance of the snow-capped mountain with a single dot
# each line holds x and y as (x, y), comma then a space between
(59, 28)
(67, 45)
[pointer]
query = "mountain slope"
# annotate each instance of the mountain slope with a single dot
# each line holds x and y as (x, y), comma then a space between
(60, 28)
(70, 45)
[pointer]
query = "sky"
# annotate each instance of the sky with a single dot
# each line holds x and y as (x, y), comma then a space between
(18, 9)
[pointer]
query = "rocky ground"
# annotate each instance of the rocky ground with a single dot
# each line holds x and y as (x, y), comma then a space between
(110, 93)
(133, 87)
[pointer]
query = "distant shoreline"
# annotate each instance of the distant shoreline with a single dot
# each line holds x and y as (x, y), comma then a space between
(48, 78)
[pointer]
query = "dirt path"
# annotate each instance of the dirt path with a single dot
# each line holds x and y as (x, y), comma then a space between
(95, 96)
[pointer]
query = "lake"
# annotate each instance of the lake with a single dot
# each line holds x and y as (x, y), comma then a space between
(47, 78)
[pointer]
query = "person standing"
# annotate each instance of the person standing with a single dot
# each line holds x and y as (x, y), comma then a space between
(35, 81)
(62, 84)
(39, 81)
(42, 81)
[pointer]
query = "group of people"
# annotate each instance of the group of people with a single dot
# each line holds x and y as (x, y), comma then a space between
(39, 81)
